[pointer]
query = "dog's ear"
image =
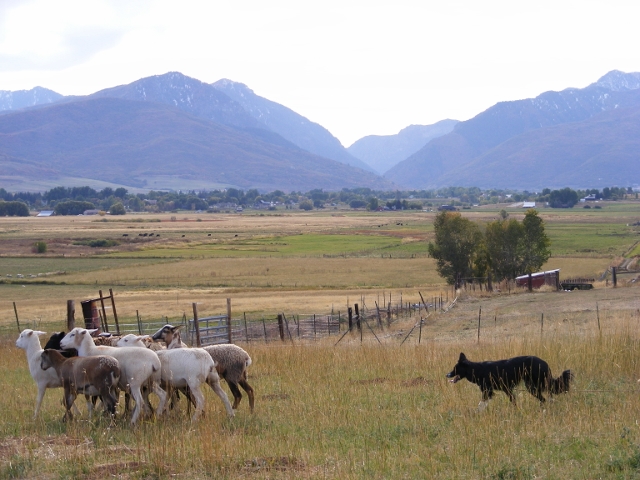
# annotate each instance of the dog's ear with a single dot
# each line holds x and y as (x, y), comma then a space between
(462, 358)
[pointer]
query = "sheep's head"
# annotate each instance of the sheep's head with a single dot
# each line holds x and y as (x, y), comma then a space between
(131, 340)
(27, 336)
(167, 333)
(74, 338)
(45, 360)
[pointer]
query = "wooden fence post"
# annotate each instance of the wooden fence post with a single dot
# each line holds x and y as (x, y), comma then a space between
(479, 316)
(264, 325)
(229, 320)
(614, 277)
(350, 313)
(115, 314)
(71, 315)
(104, 313)
(358, 324)
(196, 324)
(15, 310)
(281, 326)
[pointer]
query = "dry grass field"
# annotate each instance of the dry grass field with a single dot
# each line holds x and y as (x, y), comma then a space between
(358, 409)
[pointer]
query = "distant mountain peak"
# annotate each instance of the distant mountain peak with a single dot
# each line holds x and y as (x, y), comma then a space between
(618, 81)
(226, 83)
(15, 100)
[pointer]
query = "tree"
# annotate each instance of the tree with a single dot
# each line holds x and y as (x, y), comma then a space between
(306, 205)
(534, 245)
(502, 241)
(373, 204)
(73, 207)
(117, 209)
(565, 198)
(457, 240)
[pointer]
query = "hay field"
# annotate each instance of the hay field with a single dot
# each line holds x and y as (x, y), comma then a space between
(358, 409)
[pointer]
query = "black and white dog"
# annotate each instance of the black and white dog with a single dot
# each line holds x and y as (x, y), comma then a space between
(505, 375)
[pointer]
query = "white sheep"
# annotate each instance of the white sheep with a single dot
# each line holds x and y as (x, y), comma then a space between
(185, 371)
(139, 366)
(231, 363)
(29, 341)
(175, 344)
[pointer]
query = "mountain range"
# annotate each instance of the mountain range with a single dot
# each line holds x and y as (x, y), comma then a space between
(577, 138)
(174, 132)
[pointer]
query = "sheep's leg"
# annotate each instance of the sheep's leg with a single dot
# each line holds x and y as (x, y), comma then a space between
(237, 396)
(39, 397)
(90, 405)
(249, 389)
(198, 397)
(214, 383)
(137, 397)
(69, 400)
(162, 395)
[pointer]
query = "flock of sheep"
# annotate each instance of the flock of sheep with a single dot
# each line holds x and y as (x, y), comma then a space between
(100, 368)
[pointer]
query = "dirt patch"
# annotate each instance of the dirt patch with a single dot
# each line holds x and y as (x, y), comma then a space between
(47, 448)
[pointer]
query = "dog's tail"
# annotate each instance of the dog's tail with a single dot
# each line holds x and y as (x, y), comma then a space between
(561, 384)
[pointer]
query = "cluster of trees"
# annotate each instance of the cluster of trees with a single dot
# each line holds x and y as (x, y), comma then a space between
(504, 249)
(14, 209)
(118, 200)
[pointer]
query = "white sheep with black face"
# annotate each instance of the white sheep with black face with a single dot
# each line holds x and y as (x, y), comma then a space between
(140, 367)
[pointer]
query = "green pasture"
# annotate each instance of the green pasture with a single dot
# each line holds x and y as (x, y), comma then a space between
(590, 238)
(45, 268)
(286, 246)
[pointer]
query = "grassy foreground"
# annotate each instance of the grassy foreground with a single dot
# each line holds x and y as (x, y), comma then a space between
(359, 411)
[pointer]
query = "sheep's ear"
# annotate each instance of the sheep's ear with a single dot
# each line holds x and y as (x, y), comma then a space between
(91, 331)
(38, 332)
(462, 357)
(175, 329)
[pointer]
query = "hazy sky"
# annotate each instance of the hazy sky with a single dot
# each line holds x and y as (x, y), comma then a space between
(355, 67)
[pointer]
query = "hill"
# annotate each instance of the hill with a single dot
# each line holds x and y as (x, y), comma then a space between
(382, 152)
(150, 145)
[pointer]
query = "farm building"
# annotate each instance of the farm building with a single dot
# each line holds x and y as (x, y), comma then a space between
(45, 213)
(538, 279)
(528, 204)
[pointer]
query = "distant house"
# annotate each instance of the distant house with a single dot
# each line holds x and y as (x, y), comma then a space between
(45, 213)
(538, 279)
(91, 212)
(589, 198)
(528, 204)
(449, 208)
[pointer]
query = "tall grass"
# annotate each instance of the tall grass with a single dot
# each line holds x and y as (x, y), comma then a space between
(360, 410)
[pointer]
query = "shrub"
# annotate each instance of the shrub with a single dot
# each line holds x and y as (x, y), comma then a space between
(40, 247)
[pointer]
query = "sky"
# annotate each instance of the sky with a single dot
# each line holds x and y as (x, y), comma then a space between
(355, 67)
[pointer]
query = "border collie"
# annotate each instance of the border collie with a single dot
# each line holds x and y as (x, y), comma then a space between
(505, 375)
